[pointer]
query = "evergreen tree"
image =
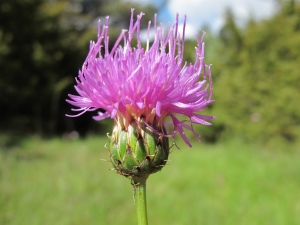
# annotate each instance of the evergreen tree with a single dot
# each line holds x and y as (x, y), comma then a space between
(258, 98)
(43, 43)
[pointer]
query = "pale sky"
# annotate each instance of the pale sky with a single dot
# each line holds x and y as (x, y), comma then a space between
(211, 12)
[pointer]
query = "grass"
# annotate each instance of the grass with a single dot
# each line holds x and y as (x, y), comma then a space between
(65, 183)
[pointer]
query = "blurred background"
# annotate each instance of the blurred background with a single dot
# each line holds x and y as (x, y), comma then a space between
(245, 171)
(254, 50)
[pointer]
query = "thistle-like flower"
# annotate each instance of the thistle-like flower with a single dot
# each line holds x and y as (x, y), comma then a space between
(140, 88)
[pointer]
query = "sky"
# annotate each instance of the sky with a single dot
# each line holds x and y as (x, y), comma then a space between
(211, 12)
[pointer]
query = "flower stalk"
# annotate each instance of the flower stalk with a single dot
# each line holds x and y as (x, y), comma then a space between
(141, 202)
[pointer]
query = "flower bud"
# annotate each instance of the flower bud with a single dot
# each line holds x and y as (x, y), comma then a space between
(136, 151)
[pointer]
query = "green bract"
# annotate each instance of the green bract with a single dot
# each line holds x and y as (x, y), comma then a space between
(137, 151)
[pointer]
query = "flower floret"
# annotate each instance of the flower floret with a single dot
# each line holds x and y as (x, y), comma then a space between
(148, 84)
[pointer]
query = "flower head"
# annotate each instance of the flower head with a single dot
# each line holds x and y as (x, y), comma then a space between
(147, 84)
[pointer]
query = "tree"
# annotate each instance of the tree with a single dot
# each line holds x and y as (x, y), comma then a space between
(43, 43)
(258, 99)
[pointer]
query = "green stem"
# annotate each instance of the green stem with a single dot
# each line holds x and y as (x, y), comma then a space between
(140, 202)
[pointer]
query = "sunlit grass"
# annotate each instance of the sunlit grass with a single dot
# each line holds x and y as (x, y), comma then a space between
(66, 182)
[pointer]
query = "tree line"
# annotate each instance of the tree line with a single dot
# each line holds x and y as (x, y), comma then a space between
(257, 79)
(43, 44)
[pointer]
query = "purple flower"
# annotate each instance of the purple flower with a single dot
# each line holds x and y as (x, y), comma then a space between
(147, 84)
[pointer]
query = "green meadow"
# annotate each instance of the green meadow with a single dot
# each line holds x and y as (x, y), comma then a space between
(65, 182)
